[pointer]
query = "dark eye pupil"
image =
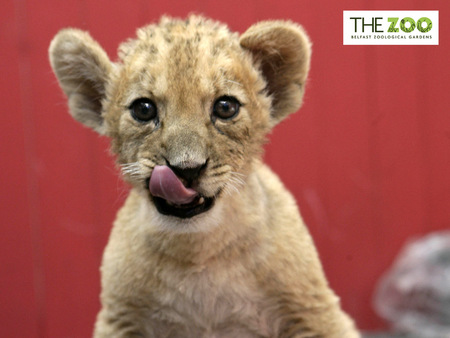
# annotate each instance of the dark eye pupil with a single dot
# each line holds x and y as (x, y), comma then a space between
(143, 110)
(226, 107)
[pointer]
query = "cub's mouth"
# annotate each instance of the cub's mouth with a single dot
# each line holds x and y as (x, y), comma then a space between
(196, 207)
(172, 198)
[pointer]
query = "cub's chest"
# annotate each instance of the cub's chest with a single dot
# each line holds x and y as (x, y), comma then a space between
(211, 299)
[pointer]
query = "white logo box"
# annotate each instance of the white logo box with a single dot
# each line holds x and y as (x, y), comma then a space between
(377, 24)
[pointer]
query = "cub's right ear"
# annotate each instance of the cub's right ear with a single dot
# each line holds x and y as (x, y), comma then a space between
(83, 70)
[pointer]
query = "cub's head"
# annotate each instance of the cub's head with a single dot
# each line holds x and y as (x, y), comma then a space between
(188, 104)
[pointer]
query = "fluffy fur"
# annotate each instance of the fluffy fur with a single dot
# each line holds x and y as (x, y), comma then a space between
(248, 266)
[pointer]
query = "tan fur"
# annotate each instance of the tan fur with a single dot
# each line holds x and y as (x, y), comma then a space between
(248, 266)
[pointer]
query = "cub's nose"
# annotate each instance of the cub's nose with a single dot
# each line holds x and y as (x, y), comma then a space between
(188, 171)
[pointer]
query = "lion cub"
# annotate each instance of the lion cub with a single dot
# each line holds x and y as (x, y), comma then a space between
(209, 243)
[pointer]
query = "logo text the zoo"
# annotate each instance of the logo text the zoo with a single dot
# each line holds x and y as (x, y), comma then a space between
(391, 27)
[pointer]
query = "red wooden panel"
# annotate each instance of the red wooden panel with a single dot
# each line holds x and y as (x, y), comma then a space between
(20, 277)
(366, 157)
(362, 177)
(68, 234)
(72, 180)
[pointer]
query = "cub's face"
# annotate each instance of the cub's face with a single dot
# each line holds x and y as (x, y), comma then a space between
(190, 99)
(188, 105)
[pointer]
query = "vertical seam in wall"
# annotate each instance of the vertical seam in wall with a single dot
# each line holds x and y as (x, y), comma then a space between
(374, 117)
(422, 98)
(26, 110)
(422, 102)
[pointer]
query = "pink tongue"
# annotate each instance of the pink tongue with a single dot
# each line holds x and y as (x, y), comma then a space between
(165, 184)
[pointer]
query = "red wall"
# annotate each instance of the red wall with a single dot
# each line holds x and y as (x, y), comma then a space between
(367, 157)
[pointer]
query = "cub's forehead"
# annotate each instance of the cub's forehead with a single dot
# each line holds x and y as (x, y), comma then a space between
(195, 31)
(195, 53)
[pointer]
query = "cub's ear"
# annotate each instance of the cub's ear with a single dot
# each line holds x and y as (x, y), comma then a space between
(282, 50)
(83, 70)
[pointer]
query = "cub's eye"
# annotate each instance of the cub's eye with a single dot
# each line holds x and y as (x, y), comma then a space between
(226, 107)
(143, 110)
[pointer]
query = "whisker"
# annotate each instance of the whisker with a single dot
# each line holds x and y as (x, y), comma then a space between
(236, 183)
(233, 185)
(230, 189)
(133, 170)
(238, 178)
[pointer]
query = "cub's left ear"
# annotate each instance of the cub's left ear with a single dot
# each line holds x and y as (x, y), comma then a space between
(282, 50)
